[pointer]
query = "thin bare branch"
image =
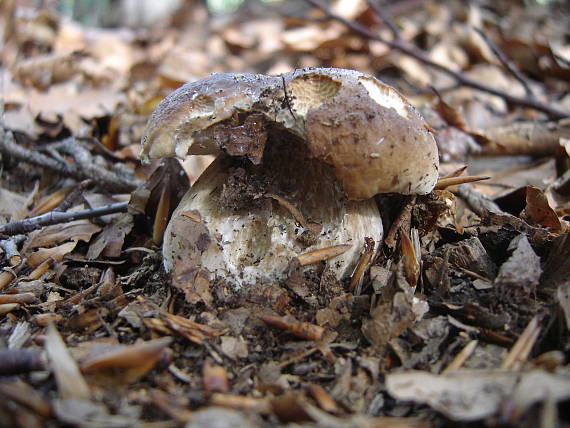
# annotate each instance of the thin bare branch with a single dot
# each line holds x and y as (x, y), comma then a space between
(386, 19)
(10, 148)
(54, 217)
(72, 196)
(83, 168)
(116, 180)
(509, 66)
(10, 249)
(421, 56)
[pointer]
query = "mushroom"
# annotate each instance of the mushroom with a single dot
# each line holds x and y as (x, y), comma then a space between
(300, 157)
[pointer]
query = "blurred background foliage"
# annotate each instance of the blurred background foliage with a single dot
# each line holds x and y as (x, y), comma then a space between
(114, 13)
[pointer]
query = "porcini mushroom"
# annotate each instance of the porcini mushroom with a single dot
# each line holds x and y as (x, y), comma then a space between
(300, 158)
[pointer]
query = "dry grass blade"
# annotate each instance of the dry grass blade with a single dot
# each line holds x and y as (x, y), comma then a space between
(363, 263)
(474, 274)
(455, 173)
(322, 254)
(192, 215)
(70, 381)
(522, 347)
(444, 183)
(461, 357)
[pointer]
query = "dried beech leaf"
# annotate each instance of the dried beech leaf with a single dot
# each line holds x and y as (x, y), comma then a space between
(125, 363)
(520, 274)
(461, 396)
(78, 230)
(109, 242)
(539, 212)
(70, 381)
(388, 320)
(54, 253)
(526, 138)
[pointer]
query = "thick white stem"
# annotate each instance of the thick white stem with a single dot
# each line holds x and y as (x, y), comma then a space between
(240, 233)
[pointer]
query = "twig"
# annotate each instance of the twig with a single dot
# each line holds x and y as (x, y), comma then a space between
(54, 217)
(9, 148)
(72, 196)
(421, 56)
(506, 62)
(90, 169)
(10, 248)
(6, 278)
(83, 168)
(17, 361)
(386, 19)
(362, 264)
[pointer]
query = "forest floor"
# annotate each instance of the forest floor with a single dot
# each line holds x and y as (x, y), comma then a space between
(460, 318)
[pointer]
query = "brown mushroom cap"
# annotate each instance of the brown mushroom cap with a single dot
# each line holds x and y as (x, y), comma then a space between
(194, 107)
(374, 139)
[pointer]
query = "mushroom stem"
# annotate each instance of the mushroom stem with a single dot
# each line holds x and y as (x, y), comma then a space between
(245, 239)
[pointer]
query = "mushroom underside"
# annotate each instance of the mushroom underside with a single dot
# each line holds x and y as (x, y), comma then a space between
(247, 223)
